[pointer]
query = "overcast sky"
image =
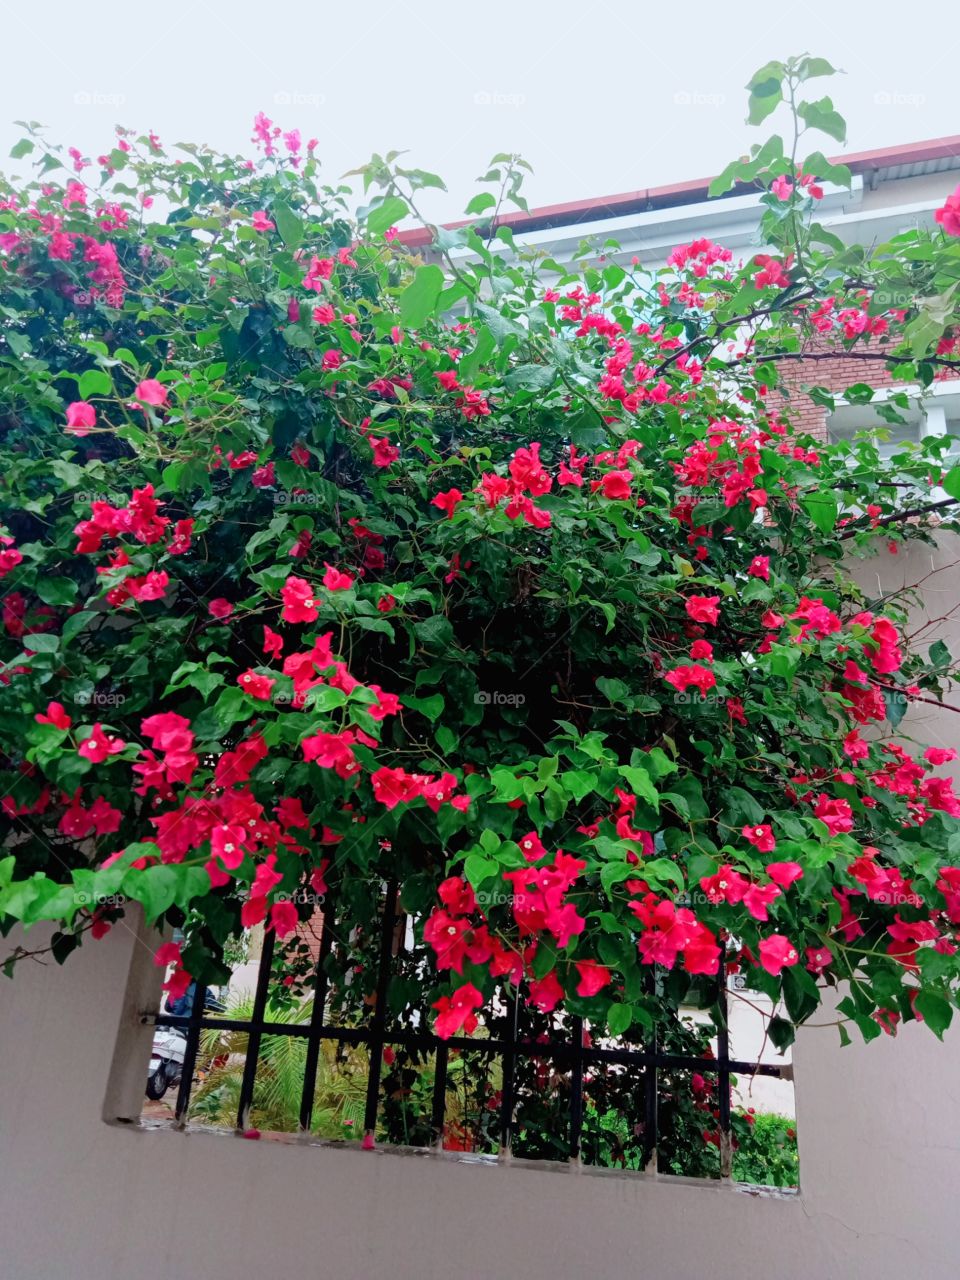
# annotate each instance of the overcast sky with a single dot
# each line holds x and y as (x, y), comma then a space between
(601, 96)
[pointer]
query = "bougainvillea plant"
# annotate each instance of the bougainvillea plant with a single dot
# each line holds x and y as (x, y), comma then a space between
(327, 560)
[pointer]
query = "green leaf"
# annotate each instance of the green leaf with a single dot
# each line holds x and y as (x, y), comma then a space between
(619, 1018)
(480, 203)
(430, 707)
(383, 216)
(531, 377)
(896, 705)
(810, 67)
(661, 869)
(477, 869)
(435, 632)
(936, 1012)
(56, 591)
(418, 301)
(154, 887)
(21, 149)
(782, 1033)
(288, 224)
(43, 643)
(766, 92)
(641, 784)
(94, 382)
(822, 115)
(822, 509)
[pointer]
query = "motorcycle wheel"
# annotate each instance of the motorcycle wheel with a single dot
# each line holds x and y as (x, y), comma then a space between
(157, 1084)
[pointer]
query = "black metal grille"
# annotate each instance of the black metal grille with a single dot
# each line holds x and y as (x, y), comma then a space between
(505, 1043)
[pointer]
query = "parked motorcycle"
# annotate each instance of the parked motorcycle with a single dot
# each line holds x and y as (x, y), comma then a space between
(170, 1044)
(166, 1061)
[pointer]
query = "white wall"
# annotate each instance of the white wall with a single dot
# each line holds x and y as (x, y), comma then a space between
(81, 1199)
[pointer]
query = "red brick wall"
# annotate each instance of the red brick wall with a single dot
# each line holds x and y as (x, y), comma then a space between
(835, 374)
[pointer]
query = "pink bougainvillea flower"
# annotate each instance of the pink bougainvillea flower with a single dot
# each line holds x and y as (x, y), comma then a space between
(615, 485)
(457, 895)
(332, 359)
(782, 187)
(760, 836)
(80, 418)
(949, 215)
(220, 608)
(335, 580)
(261, 222)
(546, 992)
(835, 814)
(447, 502)
(257, 686)
(299, 604)
(593, 977)
(284, 918)
(758, 897)
(272, 642)
(384, 453)
(818, 958)
(449, 936)
(457, 1012)
(777, 953)
(759, 567)
(332, 751)
(530, 847)
(167, 953)
(784, 873)
(685, 677)
(939, 755)
(100, 745)
(227, 844)
(703, 608)
(150, 391)
(10, 556)
(725, 885)
(855, 747)
(55, 715)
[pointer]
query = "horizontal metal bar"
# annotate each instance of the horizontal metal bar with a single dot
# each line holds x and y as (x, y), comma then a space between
(527, 1049)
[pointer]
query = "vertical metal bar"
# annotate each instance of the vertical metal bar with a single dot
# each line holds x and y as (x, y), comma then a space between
(651, 1080)
(255, 1034)
(190, 1053)
(375, 1039)
(651, 1097)
(576, 1089)
(723, 1068)
(507, 1066)
(438, 1115)
(316, 1017)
